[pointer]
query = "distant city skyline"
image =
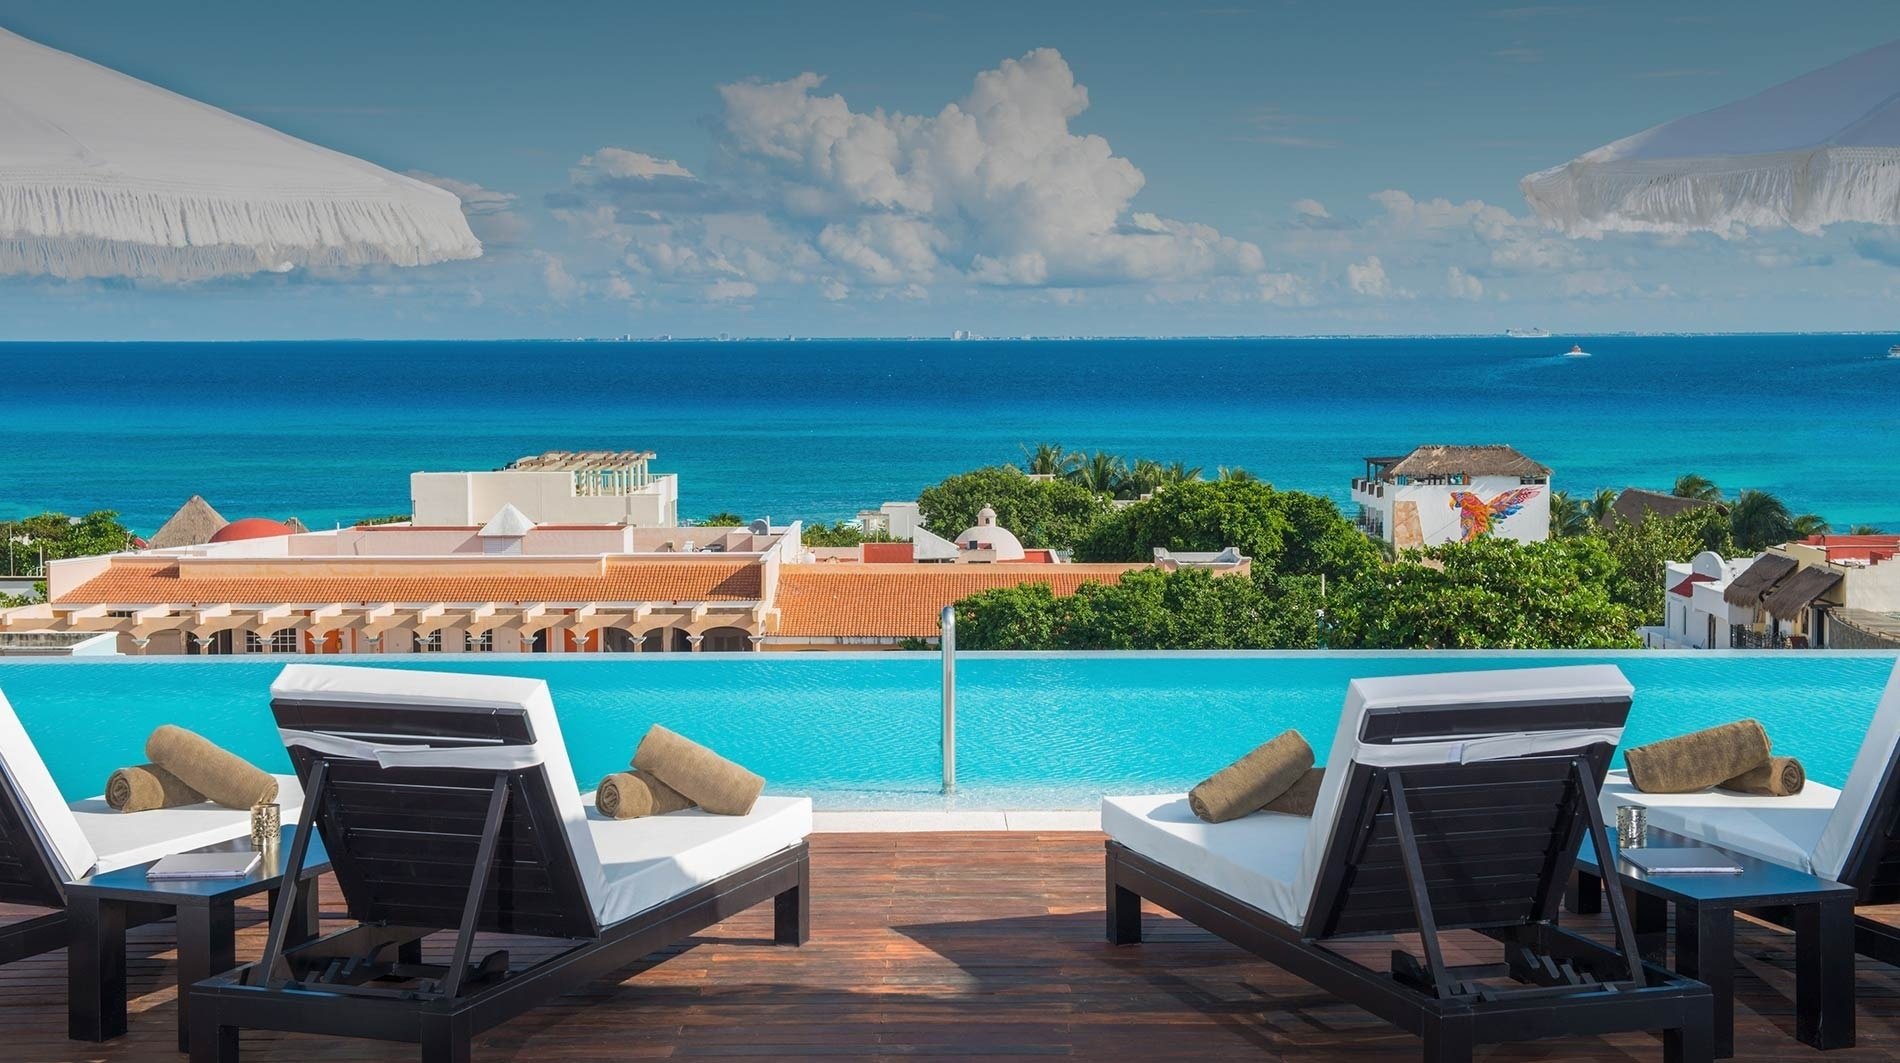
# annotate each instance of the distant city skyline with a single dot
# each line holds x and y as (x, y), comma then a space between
(866, 169)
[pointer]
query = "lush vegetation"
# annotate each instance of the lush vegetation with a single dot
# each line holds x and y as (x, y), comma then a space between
(1054, 514)
(1191, 609)
(1756, 520)
(1488, 593)
(1316, 579)
(840, 534)
(387, 518)
(31, 541)
(55, 536)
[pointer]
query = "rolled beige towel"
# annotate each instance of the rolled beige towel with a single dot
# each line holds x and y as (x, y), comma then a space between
(1246, 785)
(707, 779)
(1780, 777)
(1299, 799)
(221, 776)
(1699, 760)
(148, 786)
(632, 794)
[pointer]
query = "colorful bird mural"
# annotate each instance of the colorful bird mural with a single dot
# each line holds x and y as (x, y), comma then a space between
(1475, 516)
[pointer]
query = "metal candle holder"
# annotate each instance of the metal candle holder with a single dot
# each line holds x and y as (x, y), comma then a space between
(1632, 826)
(266, 825)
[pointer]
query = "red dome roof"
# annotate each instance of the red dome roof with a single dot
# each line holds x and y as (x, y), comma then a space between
(251, 528)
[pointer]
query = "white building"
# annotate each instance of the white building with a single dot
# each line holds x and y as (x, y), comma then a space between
(1445, 494)
(1696, 615)
(899, 520)
(559, 487)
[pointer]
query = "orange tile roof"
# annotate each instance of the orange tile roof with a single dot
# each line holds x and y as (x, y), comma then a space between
(147, 582)
(903, 601)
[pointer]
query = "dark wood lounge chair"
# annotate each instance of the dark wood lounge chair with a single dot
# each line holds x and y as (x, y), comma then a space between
(47, 842)
(1450, 802)
(1850, 835)
(447, 804)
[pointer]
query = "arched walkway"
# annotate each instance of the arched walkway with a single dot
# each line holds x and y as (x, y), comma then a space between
(725, 640)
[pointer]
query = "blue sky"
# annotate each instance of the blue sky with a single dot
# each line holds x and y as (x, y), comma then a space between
(1228, 167)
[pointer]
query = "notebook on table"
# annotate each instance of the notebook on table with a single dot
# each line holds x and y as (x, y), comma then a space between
(202, 866)
(1689, 860)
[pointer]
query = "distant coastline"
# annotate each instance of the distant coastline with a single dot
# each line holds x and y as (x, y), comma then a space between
(328, 431)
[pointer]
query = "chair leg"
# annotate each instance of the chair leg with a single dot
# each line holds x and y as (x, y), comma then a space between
(791, 910)
(1124, 915)
(1694, 1041)
(211, 1042)
(445, 1041)
(1448, 1041)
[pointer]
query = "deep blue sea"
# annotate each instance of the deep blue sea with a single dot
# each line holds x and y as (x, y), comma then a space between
(330, 431)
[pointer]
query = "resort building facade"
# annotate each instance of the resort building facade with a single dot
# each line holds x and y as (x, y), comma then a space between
(1696, 615)
(1826, 591)
(513, 584)
(558, 487)
(1445, 494)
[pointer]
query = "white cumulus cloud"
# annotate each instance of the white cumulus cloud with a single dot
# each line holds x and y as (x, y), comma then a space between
(1462, 285)
(1368, 278)
(992, 190)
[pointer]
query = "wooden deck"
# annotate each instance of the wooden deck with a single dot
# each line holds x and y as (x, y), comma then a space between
(949, 946)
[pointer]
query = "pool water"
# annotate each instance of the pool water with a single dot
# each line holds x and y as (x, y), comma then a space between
(862, 730)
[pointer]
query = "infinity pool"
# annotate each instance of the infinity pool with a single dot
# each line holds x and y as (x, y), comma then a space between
(861, 730)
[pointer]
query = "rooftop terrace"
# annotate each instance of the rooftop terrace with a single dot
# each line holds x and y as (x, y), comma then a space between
(950, 946)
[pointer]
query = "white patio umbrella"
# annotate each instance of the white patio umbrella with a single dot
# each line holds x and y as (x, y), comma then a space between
(1821, 149)
(104, 175)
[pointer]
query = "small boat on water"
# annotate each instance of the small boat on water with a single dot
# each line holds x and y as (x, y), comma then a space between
(1894, 351)
(1576, 351)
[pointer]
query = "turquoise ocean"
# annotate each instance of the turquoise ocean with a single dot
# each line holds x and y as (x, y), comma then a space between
(329, 431)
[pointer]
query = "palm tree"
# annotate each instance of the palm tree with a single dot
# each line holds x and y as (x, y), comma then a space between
(1759, 520)
(1567, 517)
(1863, 529)
(1180, 473)
(1234, 473)
(1809, 524)
(1601, 506)
(1101, 472)
(1048, 459)
(1700, 488)
(1143, 478)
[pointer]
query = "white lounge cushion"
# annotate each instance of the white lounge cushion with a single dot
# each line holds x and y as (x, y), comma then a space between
(653, 859)
(123, 839)
(27, 774)
(1781, 830)
(1255, 858)
(1813, 831)
(1281, 881)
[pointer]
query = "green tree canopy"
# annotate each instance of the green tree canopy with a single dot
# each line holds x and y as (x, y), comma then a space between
(1638, 553)
(1489, 593)
(56, 536)
(725, 518)
(1191, 609)
(1285, 532)
(1759, 520)
(840, 534)
(1052, 514)
(1697, 487)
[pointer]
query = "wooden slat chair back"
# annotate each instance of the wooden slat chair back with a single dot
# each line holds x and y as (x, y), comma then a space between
(405, 841)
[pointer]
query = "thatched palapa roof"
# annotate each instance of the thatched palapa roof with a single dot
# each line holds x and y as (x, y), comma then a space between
(193, 525)
(1794, 594)
(1747, 588)
(1634, 504)
(1492, 459)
